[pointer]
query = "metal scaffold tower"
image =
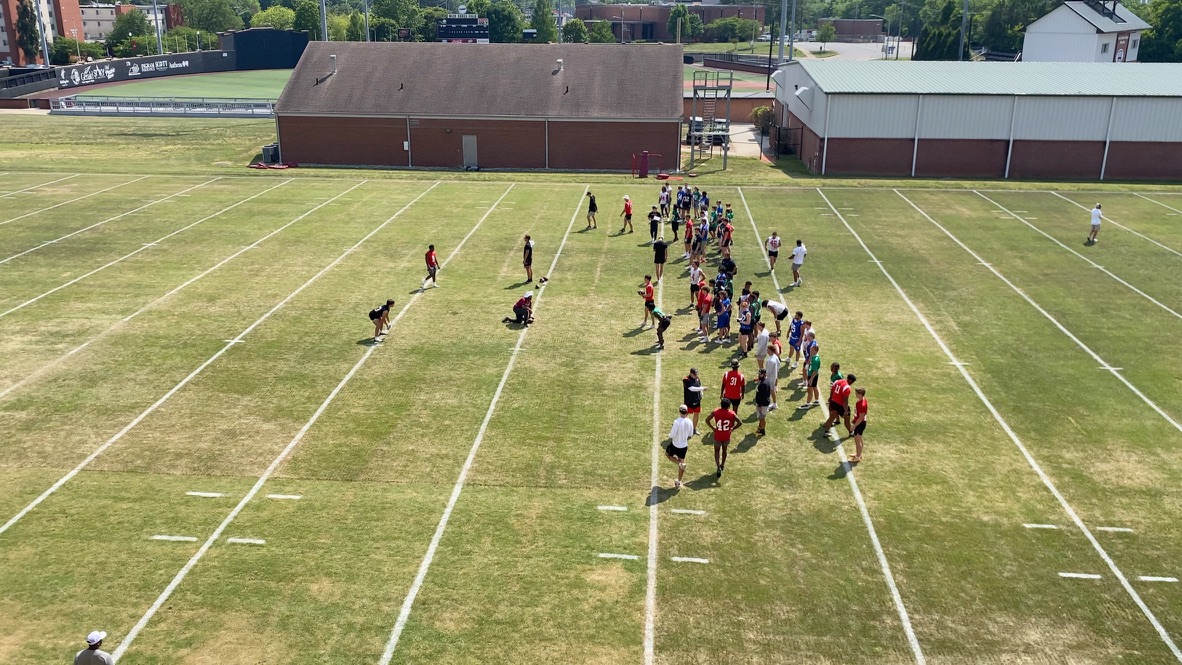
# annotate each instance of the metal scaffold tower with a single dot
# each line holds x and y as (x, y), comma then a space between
(710, 112)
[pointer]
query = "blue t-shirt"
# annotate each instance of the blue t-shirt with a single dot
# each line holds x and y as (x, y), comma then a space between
(724, 319)
(794, 332)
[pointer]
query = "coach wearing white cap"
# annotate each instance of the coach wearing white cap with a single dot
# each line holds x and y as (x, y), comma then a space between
(92, 654)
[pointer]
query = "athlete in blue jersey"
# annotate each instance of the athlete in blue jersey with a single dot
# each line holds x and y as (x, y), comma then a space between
(795, 329)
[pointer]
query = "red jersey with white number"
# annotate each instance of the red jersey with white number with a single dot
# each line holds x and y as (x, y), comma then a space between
(725, 421)
(840, 392)
(430, 258)
(733, 384)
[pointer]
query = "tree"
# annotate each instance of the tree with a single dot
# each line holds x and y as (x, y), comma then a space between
(825, 34)
(543, 22)
(575, 31)
(275, 16)
(479, 7)
(183, 39)
(601, 33)
(505, 22)
(307, 17)
(28, 35)
(356, 31)
(1164, 42)
(245, 9)
(211, 15)
(131, 24)
(678, 12)
(338, 28)
(427, 30)
(65, 50)
(403, 13)
(732, 29)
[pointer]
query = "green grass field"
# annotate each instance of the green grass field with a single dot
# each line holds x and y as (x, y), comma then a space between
(260, 84)
(167, 333)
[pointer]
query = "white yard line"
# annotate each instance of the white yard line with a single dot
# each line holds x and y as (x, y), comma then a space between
(1114, 529)
(58, 205)
(1122, 226)
(177, 539)
(1167, 207)
(1150, 578)
(619, 509)
(285, 497)
(247, 541)
(206, 495)
(1040, 526)
(429, 556)
(1103, 364)
(1089, 261)
(626, 557)
(57, 361)
(185, 381)
(145, 246)
(686, 511)
(1081, 576)
(295, 441)
(44, 184)
(688, 559)
(650, 589)
(912, 640)
(1046, 480)
(105, 221)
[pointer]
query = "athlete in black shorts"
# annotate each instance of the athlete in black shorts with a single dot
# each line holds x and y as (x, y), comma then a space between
(380, 316)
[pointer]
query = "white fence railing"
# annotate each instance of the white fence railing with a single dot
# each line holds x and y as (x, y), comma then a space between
(171, 106)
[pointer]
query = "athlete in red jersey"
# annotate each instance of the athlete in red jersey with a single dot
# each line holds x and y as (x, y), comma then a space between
(860, 408)
(733, 384)
(650, 303)
(626, 213)
(722, 421)
(432, 267)
(839, 396)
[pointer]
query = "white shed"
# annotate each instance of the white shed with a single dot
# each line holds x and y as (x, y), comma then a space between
(1079, 31)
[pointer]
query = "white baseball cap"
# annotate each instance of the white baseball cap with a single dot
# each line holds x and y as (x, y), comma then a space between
(626, 198)
(95, 637)
(529, 294)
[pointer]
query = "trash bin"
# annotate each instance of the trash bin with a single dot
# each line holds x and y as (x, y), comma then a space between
(271, 154)
(687, 59)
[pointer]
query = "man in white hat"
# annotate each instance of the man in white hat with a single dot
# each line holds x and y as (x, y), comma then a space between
(523, 310)
(92, 654)
(626, 213)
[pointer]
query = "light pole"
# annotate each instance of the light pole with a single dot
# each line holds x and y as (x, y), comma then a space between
(888, 34)
(367, 20)
(41, 29)
(964, 27)
(158, 22)
(74, 34)
(621, 20)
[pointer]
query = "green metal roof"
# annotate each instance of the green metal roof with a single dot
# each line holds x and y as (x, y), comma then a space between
(1097, 79)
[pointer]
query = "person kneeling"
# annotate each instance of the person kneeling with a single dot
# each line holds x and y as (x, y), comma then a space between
(522, 310)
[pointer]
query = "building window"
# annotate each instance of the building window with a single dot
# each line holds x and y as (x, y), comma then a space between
(1104, 48)
(1135, 42)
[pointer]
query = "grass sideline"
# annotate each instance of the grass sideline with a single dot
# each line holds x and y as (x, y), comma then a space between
(791, 574)
(180, 146)
(259, 84)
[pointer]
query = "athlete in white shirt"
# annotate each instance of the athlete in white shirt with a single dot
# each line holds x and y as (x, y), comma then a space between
(1096, 217)
(772, 244)
(798, 261)
(679, 434)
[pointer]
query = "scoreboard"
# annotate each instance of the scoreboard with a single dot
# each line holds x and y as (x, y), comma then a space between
(463, 29)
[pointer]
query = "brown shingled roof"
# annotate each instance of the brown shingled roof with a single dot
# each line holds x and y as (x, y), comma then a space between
(625, 81)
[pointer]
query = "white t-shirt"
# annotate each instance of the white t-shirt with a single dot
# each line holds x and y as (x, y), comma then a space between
(695, 275)
(1096, 215)
(776, 307)
(772, 365)
(761, 341)
(773, 244)
(682, 430)
(798, 255)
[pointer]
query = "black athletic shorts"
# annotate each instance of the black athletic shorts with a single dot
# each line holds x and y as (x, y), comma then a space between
(673, 451)
(664, 325)
(375, 314)
(782, 315)
(834, 407)
(860, 428)
(694, 288)
(529, 263)
(628, 217)
(650, 305)
(813, 379)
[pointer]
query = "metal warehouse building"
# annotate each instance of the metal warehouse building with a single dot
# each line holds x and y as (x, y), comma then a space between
(503, 106)
(985, 119)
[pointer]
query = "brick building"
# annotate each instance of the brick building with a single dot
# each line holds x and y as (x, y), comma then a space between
(651, 22)
(58, 17)
(500, 106)
(1053, 121)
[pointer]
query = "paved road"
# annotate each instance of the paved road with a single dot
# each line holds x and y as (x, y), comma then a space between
(850, 51)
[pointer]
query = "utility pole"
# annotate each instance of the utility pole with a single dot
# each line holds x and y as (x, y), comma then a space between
(158, 20)
(791, 36)
(41, 29)
(367, 20)
(964, 28)
(323, 21)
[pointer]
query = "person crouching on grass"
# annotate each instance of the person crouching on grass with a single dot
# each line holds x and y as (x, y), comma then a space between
(860, 409)
(380, 316)
(523, 310)
(663, 322)
(839, 396)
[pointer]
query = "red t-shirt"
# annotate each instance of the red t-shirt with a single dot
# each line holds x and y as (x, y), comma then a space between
(840, 392)
(732, 384)
(627, 207)
(648, 292)
(430, 258)
(724, 423)
(860, 408)
(522, 302)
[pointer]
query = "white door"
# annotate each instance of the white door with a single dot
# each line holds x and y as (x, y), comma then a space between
(469, 150)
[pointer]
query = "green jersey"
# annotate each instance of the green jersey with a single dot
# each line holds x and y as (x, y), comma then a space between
(815, 364)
